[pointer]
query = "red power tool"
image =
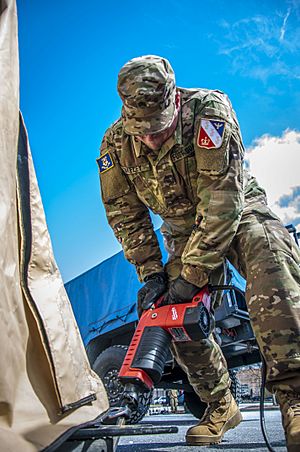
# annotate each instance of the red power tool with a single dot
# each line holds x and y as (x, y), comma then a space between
(144, 362)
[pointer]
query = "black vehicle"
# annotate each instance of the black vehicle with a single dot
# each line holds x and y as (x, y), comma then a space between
(104, 303)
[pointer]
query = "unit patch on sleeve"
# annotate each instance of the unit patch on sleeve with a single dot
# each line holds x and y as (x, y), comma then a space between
(105, 162)
(211, 132)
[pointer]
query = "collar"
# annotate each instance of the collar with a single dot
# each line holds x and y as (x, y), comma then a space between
(137, 145)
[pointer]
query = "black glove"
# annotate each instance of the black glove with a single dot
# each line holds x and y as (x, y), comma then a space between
(156, 285)
(180, 291)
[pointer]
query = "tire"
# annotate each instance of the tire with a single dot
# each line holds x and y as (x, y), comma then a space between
(235, 387)
(194, 405)
(107, 366)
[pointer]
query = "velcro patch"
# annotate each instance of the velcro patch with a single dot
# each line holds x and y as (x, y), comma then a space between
(210, 135)
(105, 162)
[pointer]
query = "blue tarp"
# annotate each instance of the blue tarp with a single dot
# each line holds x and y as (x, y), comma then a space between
(104, 297)
(236, 279)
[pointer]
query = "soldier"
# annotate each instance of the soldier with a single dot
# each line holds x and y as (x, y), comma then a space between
(179, 153)
(173, 400)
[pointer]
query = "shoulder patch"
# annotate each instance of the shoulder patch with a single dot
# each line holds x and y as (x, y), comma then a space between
(105, 162)
(211, 133)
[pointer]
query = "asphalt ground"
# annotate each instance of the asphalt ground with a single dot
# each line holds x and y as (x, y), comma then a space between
(246, 437)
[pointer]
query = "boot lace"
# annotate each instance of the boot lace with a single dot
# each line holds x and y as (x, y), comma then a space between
(292, 401)
(211, 411)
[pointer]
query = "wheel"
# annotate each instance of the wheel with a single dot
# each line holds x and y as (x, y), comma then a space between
(235, 387)
(107, 366)
(194, 405)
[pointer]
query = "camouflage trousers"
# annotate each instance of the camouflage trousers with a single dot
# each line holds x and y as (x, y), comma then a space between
(266, 255)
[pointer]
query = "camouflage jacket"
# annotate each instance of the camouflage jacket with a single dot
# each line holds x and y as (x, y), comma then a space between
(195, 182)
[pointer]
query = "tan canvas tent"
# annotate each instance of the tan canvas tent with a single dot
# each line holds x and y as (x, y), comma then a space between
(46, 384)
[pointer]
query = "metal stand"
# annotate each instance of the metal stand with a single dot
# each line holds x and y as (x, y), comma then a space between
(105, 438)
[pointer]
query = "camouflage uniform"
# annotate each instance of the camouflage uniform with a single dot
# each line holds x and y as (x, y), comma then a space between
(212, 209)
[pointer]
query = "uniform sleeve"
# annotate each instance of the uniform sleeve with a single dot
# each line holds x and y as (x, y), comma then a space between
(219, 189)
(126, 214)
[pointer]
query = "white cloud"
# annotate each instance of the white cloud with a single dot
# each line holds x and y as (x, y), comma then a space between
(264, 46)
(275, 162)
(283, 28)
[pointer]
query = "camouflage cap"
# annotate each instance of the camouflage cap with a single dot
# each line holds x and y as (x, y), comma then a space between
(147, 88)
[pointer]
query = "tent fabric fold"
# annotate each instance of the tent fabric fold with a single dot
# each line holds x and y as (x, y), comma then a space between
(46, 384)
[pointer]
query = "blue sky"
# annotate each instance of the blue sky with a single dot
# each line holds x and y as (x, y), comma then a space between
(70, 55)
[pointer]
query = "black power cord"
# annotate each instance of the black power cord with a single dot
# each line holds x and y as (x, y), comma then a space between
(263, 372)
(261, 405)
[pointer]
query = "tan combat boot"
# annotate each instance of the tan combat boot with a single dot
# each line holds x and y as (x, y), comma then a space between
(219, 417)
(290, 411)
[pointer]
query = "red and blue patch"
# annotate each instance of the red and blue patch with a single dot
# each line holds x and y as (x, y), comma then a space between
(211, 133)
